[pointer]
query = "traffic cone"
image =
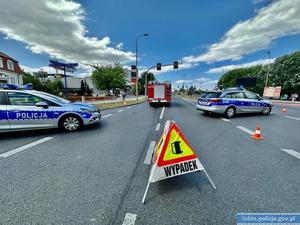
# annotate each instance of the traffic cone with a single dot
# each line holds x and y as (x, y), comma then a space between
(256, 134)
(284, 110)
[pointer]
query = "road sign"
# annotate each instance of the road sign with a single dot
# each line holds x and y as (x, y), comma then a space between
(176, 148)
(66, 67)
(173, 156)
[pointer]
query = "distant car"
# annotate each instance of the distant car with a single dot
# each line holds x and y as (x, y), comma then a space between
(233, 101)
(28, 110)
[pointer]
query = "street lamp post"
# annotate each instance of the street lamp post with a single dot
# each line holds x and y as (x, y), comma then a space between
(136, 63)
(267, 78)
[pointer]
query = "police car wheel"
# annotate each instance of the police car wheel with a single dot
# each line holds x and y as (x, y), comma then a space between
(230, 112)
(266, 110)
(71, 123)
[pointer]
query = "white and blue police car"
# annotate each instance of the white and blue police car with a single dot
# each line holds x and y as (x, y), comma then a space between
(29, 109)
(233, 101)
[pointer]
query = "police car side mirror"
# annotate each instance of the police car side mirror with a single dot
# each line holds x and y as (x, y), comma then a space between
(42, 105)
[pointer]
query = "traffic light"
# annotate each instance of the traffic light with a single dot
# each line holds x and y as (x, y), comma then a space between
(133, 71)
(175, 65)
(158, 66)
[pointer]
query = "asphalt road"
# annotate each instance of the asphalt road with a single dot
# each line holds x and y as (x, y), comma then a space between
(98, 175)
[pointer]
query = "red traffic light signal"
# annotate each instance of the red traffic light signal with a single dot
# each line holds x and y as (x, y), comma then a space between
(175, 65)
(158, 66)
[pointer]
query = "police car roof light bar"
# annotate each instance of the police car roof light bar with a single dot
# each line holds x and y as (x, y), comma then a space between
(16, 87)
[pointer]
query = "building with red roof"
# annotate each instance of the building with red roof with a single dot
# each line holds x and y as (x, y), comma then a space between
(10, 71)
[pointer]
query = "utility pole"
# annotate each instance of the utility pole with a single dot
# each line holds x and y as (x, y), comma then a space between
(136, 63)
(267, 78)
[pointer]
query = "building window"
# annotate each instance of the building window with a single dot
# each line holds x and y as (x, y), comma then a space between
(10, 65)
(1, 63)
(12, 80)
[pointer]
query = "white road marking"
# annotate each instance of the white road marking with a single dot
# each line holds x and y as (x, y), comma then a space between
(107, 115)
(128, 107)
(129, 219)
(226, 120)
(162, 113)
(149, 153)
(121, 110)
(24, 147)
(292, 152)
(157, 127)
(245, 130)
(294, 118)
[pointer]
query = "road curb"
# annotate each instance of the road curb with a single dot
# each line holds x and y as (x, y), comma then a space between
(286, 102)
(194, 104)
(115, 107)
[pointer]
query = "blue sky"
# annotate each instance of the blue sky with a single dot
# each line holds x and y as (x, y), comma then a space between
(208, 37)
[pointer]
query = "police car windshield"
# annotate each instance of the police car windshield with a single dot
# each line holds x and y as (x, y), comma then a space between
(210, 94)
(53, 97)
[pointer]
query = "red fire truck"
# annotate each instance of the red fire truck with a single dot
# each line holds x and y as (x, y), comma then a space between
(159, 92)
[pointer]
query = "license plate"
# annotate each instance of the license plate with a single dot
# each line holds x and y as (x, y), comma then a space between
(203, 103)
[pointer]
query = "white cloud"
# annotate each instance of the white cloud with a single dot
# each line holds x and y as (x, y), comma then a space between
(258, 1)
(245, 65)
(280, 18)
(184, 81)
(202, 83)
(29, 69)
(203, 79)
(55, 27)
(120, 46)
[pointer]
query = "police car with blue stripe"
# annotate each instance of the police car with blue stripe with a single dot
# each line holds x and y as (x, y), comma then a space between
(29, 109)
(233, 101)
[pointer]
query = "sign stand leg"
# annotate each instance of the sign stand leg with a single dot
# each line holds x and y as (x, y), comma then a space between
(146, 191)
(210, 180)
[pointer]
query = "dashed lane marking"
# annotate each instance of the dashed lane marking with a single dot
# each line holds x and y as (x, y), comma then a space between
(24, 147)
(121, 110)
(129, 219)
(107, 115)
(149, 153)
(226, 120)
(292, 152)
(245, 130)
(128, 107)
(157, 127)
(294, 118)
(162, 113)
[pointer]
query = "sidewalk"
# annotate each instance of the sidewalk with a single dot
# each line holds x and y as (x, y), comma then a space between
(129, 98)
(284, 101)
(116, 103)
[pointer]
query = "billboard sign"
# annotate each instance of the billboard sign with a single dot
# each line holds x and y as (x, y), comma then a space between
(246, 81)
(272, 92)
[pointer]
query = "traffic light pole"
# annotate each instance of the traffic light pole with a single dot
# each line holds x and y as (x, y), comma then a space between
(66, 88)
(137, 71)
(147, 71)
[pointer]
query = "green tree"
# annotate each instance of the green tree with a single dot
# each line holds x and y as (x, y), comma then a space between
(285, 72)
(56, 86)
(110, 76)
(142, 79)
(53, 87)
(30, 79)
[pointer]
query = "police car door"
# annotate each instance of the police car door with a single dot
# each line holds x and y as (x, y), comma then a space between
(253, 102)
(4, 124)
(24, 112)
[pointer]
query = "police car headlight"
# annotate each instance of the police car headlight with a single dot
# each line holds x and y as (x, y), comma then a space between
(88, 110)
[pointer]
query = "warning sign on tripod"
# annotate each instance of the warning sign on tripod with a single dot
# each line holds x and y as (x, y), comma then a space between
(173, 156)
